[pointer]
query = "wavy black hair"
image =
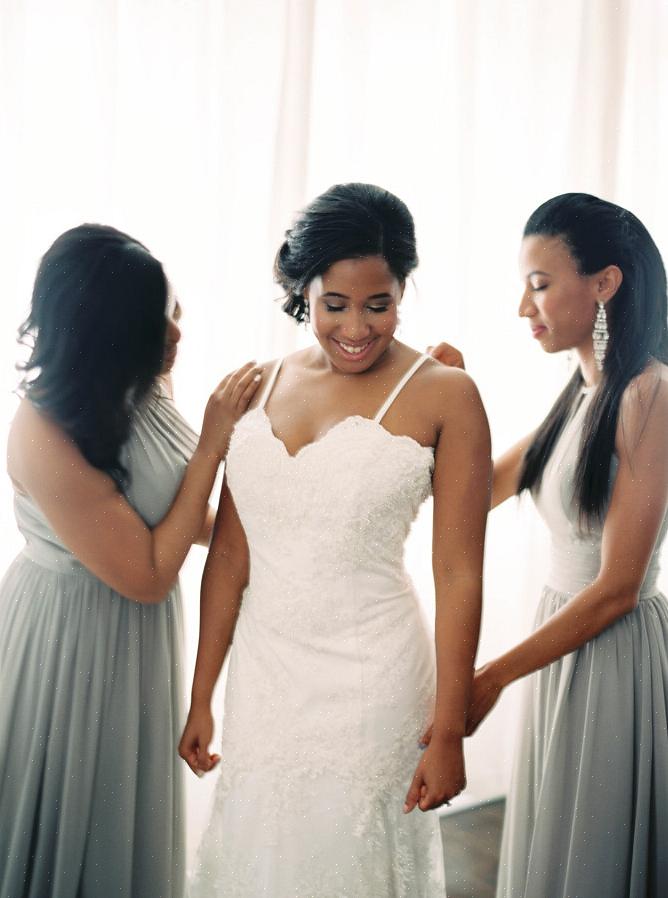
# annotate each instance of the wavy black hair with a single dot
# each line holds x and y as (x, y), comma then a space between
(347, 221)
(598, 233)
(96, 329)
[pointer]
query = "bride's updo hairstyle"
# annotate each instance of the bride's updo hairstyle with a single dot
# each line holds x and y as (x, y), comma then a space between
(96, 329)
(348, 221)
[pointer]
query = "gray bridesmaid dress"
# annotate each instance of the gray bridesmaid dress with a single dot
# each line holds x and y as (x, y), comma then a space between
(91, 705)
(587, 814)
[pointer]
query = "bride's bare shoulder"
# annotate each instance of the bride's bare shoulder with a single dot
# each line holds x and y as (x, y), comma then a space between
(270, 370)
(450, 393)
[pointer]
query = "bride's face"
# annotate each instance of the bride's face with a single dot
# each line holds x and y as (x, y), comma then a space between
(353, 311)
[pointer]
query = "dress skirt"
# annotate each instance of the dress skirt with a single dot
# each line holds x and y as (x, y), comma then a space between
(587, 814)
(90, 711)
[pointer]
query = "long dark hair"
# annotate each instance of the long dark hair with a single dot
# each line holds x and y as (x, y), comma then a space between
(597, 234)
(347, 221)
(96, 329)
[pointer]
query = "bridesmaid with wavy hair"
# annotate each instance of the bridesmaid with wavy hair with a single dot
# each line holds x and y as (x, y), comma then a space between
(111, 490)
(587, 813)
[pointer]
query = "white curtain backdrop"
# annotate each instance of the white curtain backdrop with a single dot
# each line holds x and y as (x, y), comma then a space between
(200, 126)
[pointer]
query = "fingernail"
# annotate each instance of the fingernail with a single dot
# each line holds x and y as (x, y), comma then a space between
(257, 377)
(406, 808)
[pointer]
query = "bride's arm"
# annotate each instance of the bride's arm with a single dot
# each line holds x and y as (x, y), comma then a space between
(507, 468)
(461, 485)
(223, 582)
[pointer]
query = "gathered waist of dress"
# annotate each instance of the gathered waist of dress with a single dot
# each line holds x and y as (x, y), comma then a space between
(576, 566)
(63, 563)
(60, 561)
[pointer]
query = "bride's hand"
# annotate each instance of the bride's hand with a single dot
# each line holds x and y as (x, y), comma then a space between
(439, 776)
(447, 355)
(195, 741)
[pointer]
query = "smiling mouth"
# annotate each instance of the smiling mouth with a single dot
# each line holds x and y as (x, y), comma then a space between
(354, 351)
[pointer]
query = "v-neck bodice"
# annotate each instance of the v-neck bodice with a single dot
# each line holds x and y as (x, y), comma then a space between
(377, 418)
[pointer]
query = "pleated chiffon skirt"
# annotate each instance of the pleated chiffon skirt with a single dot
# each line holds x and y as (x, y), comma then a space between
(587, 815)
(90, 711)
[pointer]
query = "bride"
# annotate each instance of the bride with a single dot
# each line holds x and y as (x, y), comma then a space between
(332, 675)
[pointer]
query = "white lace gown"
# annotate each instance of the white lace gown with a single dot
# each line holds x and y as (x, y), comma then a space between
(331, 674)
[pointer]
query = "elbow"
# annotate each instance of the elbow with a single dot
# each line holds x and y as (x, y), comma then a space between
(152, 591)
(628, 601)
(620, 598)
(150, 597)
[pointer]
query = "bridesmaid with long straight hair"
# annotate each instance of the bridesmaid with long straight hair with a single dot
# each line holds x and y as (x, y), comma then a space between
(587, 814)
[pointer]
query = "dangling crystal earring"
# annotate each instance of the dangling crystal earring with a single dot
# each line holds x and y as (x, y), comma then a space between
(601, 336)
(307, 312)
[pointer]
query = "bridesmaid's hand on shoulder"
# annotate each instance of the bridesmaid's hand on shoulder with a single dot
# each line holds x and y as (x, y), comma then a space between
(228, 402)
(439, 776)
(448, 355)
(196, 738)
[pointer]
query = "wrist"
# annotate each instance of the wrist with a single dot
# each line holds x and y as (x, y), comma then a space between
(500, 672)
(206, 454)
(200, 700)
(447, 734)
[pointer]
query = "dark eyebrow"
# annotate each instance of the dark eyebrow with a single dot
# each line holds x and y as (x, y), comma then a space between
(343, 296)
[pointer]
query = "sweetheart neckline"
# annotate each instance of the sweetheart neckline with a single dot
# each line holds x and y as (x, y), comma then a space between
(334, 427)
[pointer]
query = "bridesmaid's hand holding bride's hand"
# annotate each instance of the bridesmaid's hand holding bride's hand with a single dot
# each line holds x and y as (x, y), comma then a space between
(195, 741)
(447, 355)
(485, 692)
(439, 776)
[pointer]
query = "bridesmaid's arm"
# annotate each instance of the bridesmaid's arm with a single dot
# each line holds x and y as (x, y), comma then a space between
(461, 485)
(507, 470)
(204, 538)
(223, 582)
(508, 467)
(96, 522)
(635, 515)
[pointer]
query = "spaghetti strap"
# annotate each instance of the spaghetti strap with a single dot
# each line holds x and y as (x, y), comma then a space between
(270, 384)
(399, 387)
